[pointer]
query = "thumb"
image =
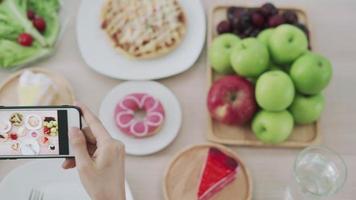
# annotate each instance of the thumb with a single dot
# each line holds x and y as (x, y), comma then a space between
(79, 147)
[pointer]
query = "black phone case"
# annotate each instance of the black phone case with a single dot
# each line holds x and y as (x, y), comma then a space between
(29, 107)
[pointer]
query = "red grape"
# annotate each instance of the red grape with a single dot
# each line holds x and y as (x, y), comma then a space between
(275, 21)
(224, 27)
(268, 9)
(248, 32)
(244, 21)
(258, 20)
(233, 13)
(290, 17)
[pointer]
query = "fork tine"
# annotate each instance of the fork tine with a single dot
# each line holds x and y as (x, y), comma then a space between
(38, 195)
(34, 194)
(41, 196)
(31, 195)
(34, 197)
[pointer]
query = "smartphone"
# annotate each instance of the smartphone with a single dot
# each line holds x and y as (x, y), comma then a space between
(37, 132)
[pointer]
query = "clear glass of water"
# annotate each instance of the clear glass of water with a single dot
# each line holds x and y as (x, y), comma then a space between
(318, 172)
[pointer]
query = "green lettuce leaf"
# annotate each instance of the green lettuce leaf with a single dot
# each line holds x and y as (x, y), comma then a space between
(17, 10)
(43, 7)
(13, 54)
(48, 9)
(9, 27)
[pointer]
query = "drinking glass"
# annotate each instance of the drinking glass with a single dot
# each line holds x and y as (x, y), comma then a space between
(318, 172)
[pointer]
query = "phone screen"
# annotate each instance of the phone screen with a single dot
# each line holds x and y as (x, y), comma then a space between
(33, 132)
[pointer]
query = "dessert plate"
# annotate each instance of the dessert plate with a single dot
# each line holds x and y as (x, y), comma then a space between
(8, 89)
(169, 129)
(183, 176)
(98, 52)
(48, 177)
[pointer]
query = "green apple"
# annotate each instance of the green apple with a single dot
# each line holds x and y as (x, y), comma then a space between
(265, 35)
(250, 58)
(220, 50)
(311, 73)
(307, 109)
(274, 91)
(287, 43)
(273, 127)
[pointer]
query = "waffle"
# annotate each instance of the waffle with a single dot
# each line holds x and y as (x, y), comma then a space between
(143, 29)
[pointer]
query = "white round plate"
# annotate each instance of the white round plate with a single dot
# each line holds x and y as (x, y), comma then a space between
(99, 54)
(168, 131)
(27, 124)
(50, 178)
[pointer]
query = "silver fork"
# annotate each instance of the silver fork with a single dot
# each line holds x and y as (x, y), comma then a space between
(35, 194)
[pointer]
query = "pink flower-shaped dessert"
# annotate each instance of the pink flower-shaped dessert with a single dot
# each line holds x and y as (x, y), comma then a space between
(127, 115)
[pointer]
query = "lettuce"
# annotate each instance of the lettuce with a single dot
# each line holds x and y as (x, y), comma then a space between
(13, 15)
(9, 27)
(48, 9)
(13, 54)
(44, 7)
(17, 10)
(13, 22)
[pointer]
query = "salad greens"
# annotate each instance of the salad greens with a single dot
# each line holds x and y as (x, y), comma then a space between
(14, 21)
(48, 9)
(9, 28)
(17, 10)
(13, 54)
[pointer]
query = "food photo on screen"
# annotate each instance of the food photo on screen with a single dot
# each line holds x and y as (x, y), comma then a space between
(29, 133)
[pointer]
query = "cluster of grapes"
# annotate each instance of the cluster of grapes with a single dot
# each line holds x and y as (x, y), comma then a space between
(249, 22)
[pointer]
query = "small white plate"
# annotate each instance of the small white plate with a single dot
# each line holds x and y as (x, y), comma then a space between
(5, 126)
(99, 54)
(47, 176)
(27, 122)
(30, 147)
(168, 131)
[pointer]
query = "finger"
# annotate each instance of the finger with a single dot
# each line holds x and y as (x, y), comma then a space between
(91, 140)
(113, 150)
(79, 147)
(89, 135)
(69, 163)
(91, 149)
(93, 122)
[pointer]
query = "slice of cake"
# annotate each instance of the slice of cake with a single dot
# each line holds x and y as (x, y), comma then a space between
(219, 171)
(35, 89)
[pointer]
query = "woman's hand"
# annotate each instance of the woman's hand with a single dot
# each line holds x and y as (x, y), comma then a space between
(99, 158)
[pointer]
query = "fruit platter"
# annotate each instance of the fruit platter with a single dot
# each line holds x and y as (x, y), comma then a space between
(257, 94)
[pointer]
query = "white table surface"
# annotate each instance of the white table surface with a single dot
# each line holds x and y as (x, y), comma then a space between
(334, 34)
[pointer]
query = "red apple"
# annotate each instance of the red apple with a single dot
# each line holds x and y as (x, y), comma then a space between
(231, 100)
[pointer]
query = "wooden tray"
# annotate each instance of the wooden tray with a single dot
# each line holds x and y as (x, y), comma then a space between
(181, 180)
(302, 136)
(8, 89)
